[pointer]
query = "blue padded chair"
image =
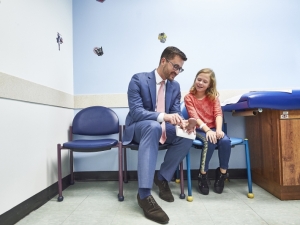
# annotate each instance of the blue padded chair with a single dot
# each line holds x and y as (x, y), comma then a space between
(199, 145)
(135, 146)
(92, 121)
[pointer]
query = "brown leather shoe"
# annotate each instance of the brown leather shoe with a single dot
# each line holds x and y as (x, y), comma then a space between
(152, 210)
(164, 190)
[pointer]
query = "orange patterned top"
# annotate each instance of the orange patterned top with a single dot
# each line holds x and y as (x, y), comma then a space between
(205, 109)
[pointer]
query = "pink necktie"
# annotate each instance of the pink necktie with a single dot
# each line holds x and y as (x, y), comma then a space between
(161, 108)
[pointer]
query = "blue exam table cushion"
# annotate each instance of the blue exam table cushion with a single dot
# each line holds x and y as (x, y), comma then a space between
(267, 100)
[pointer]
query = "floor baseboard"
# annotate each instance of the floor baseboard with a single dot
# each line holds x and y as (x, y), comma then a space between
(132, 175)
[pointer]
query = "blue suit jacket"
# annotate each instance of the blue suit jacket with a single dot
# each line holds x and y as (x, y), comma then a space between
(142, 101)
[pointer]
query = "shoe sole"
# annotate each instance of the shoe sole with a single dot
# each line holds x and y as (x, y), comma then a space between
(167, 200)
(165, 222)
(218, 191)
(202, 192)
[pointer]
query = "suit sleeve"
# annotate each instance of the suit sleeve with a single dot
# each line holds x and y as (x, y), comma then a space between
(175, 106)
(136, 100)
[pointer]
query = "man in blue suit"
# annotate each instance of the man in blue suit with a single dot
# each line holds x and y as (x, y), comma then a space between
(143, 126)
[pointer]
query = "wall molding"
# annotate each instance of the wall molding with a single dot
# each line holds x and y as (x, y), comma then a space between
(120, 100)
(15, 88)
(107, 100)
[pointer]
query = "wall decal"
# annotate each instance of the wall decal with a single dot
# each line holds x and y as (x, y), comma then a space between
(59, 40)
(162, 37)
(98, 51)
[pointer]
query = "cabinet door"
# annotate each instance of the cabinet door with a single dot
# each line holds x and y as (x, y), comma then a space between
(263, 133)
(290, 149)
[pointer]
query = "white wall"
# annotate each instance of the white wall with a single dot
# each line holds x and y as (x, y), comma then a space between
(29, 132)
(28, 42)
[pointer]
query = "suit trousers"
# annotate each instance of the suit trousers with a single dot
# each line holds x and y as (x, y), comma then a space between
(147, 133)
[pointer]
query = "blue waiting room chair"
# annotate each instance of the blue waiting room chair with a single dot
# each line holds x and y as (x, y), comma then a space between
(197, 144)
(92, 122)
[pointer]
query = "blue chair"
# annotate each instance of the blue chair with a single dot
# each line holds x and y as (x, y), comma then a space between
(199, 145)
(135, 146)
(92, 121)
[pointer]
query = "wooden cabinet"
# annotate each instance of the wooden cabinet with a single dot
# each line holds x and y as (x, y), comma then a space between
(274, 141)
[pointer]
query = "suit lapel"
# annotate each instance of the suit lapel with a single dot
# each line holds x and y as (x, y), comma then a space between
(152, 88)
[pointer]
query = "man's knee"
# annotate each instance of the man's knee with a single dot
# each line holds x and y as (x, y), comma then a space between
(152, 127)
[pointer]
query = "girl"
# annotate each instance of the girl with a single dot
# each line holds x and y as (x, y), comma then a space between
(202, 103)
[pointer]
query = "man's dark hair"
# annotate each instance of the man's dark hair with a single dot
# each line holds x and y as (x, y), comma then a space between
(170, 52)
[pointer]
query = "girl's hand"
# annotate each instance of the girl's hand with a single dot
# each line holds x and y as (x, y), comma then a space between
(211, 136)
(191, 127)
(219, 134)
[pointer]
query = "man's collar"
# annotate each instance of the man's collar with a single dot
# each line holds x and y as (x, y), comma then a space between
(158, 78)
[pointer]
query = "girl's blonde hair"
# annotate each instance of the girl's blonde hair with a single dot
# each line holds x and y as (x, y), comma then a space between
(211, 92)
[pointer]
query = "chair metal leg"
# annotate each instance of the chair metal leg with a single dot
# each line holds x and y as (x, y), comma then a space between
(250, 194)
(188, 169)
(120, 195)
(71, 168)
(177, 175)
(182, 195)
(59, 176)
(125, 166)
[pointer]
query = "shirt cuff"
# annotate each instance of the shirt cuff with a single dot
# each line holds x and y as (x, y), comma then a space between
(160, 117)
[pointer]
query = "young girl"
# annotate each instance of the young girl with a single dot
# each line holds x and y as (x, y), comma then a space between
(202, 103)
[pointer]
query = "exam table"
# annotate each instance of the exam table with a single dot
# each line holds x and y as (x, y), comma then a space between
(272, 124)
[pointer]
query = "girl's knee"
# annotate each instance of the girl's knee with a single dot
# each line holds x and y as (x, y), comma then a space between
(225, 140)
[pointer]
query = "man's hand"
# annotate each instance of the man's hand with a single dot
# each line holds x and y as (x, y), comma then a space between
(174, 119)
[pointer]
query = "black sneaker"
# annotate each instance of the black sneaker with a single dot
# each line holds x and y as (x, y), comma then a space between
(219, 183)
(203, 184)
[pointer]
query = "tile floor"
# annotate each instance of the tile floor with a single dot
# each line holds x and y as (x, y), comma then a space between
(92, 203)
